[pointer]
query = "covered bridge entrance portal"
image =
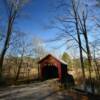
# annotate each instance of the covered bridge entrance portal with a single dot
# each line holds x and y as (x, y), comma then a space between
(49, 71)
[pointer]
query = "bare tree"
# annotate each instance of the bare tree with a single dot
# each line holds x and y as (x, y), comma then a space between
(20, 64)
(84, 32)
(75, 10)
(13, 8)
(24, 50)
(81, 27)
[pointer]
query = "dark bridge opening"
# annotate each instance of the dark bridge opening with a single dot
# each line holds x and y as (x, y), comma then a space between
(49, 72)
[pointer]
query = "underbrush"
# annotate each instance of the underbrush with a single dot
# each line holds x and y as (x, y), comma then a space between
(4, 82)
(94, 82)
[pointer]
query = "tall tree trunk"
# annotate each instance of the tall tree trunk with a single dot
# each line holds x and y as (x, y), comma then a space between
(88, 51)
(79, 40)
(19, 68)
(89, 61)
(96, 66)
(81, 55)
(6, 45)
(88, 54)
(97, 69)
(1, 61)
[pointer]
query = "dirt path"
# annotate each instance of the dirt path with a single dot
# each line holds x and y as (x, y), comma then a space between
(37, 91)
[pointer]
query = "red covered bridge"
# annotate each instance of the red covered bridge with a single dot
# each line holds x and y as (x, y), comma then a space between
(51, 67)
